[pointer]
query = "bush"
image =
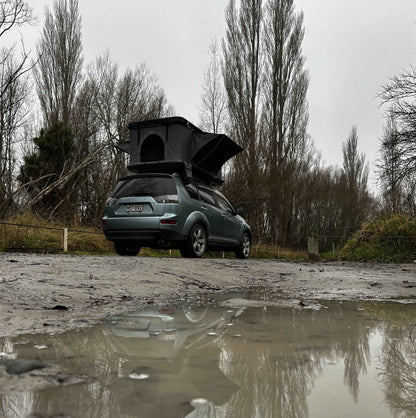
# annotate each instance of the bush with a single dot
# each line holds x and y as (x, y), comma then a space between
(390, 239)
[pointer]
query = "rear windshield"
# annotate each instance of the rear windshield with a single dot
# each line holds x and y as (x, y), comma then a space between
(145, 186)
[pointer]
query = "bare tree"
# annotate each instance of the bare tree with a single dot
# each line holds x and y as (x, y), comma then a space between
(242, 74)
(285, 112)
(397, 163)
(118, 100)
(389, 167)
(13, 14)
(59, 71)
(213, 107)
(355, 175)
(13, 116)
(400, 92)
(409, 191)
(14, 92)
(106, 103)
(138, 97)
(51, 171)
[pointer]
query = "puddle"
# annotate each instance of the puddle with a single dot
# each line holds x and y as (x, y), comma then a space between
(242, 358)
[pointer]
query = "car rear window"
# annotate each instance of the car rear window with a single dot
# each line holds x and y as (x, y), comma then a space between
(145, 186)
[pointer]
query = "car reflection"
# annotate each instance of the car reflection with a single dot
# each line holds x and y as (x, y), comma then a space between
(179, 345)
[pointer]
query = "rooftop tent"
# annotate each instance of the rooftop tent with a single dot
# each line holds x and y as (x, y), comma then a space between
(175, 144)
(212, 151)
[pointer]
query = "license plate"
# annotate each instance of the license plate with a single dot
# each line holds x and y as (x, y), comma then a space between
(134, 208)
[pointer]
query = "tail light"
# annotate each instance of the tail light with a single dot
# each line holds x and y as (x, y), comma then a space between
(168, 221)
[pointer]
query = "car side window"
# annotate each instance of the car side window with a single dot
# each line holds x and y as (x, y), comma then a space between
(206, 196)
(192, 191)
(223, 204)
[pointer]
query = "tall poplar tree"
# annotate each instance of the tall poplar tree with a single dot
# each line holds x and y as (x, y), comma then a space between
(58, 73)
(355, 176)
(242, 77)
(213, 107)
(285, 111)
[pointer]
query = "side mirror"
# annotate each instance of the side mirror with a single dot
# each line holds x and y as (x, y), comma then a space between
(239, 211)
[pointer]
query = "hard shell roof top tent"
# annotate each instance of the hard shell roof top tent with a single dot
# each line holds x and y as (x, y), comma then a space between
(175, 145)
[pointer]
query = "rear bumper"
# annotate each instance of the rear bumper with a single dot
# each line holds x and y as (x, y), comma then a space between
(144, 236)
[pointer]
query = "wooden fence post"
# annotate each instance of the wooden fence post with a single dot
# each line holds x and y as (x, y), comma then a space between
(65, 240)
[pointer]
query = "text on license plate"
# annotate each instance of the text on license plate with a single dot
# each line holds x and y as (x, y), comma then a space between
(134, 208)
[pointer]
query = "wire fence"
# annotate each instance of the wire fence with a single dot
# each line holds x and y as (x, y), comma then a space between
(60, 244)
(316, 244)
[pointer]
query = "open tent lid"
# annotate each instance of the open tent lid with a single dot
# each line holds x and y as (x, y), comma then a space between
(212, 151)
(164, 144)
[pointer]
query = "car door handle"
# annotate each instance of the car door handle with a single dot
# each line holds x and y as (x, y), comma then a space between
(204, 208)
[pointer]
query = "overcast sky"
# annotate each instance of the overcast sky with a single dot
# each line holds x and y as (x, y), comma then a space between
(352, 47)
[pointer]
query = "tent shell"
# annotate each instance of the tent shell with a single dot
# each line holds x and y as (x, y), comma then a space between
(175, 145)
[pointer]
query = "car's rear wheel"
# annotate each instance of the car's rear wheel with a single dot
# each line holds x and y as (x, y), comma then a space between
(244, 248)
(126, 248)
(196, 244)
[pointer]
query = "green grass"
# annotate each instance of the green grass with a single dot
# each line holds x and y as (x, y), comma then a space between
(391, 239)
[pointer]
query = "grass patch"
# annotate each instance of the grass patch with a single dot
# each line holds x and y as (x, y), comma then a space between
(47, 237)
(264, 251)
(392, 239)
(44, 236)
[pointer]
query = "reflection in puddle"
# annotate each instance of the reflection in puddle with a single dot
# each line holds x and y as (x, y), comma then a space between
(342, 359)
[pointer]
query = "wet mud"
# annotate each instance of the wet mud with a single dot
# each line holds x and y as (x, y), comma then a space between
(55, 293)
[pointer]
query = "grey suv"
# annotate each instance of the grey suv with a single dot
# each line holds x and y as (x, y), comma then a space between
(161, 211)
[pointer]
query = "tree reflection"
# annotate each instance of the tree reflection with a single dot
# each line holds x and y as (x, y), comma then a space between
(398, 364)
(356, 352)
(276, 376)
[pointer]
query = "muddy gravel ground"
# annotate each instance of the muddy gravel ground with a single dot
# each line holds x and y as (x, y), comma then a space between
(52, 293)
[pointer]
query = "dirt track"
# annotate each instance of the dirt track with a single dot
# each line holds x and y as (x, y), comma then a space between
(48, 293)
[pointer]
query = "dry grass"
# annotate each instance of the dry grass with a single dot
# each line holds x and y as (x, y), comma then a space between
(46, 236)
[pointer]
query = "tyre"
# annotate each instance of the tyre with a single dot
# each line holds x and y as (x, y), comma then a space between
(196, 244)
(126, 248)
(244, 248)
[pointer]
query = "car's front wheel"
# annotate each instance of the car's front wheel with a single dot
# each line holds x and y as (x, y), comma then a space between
(244, 248)
(126, 248)
(196, 244)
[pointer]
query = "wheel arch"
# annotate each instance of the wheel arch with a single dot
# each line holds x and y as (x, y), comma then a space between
(196, 218)
(244, 230)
